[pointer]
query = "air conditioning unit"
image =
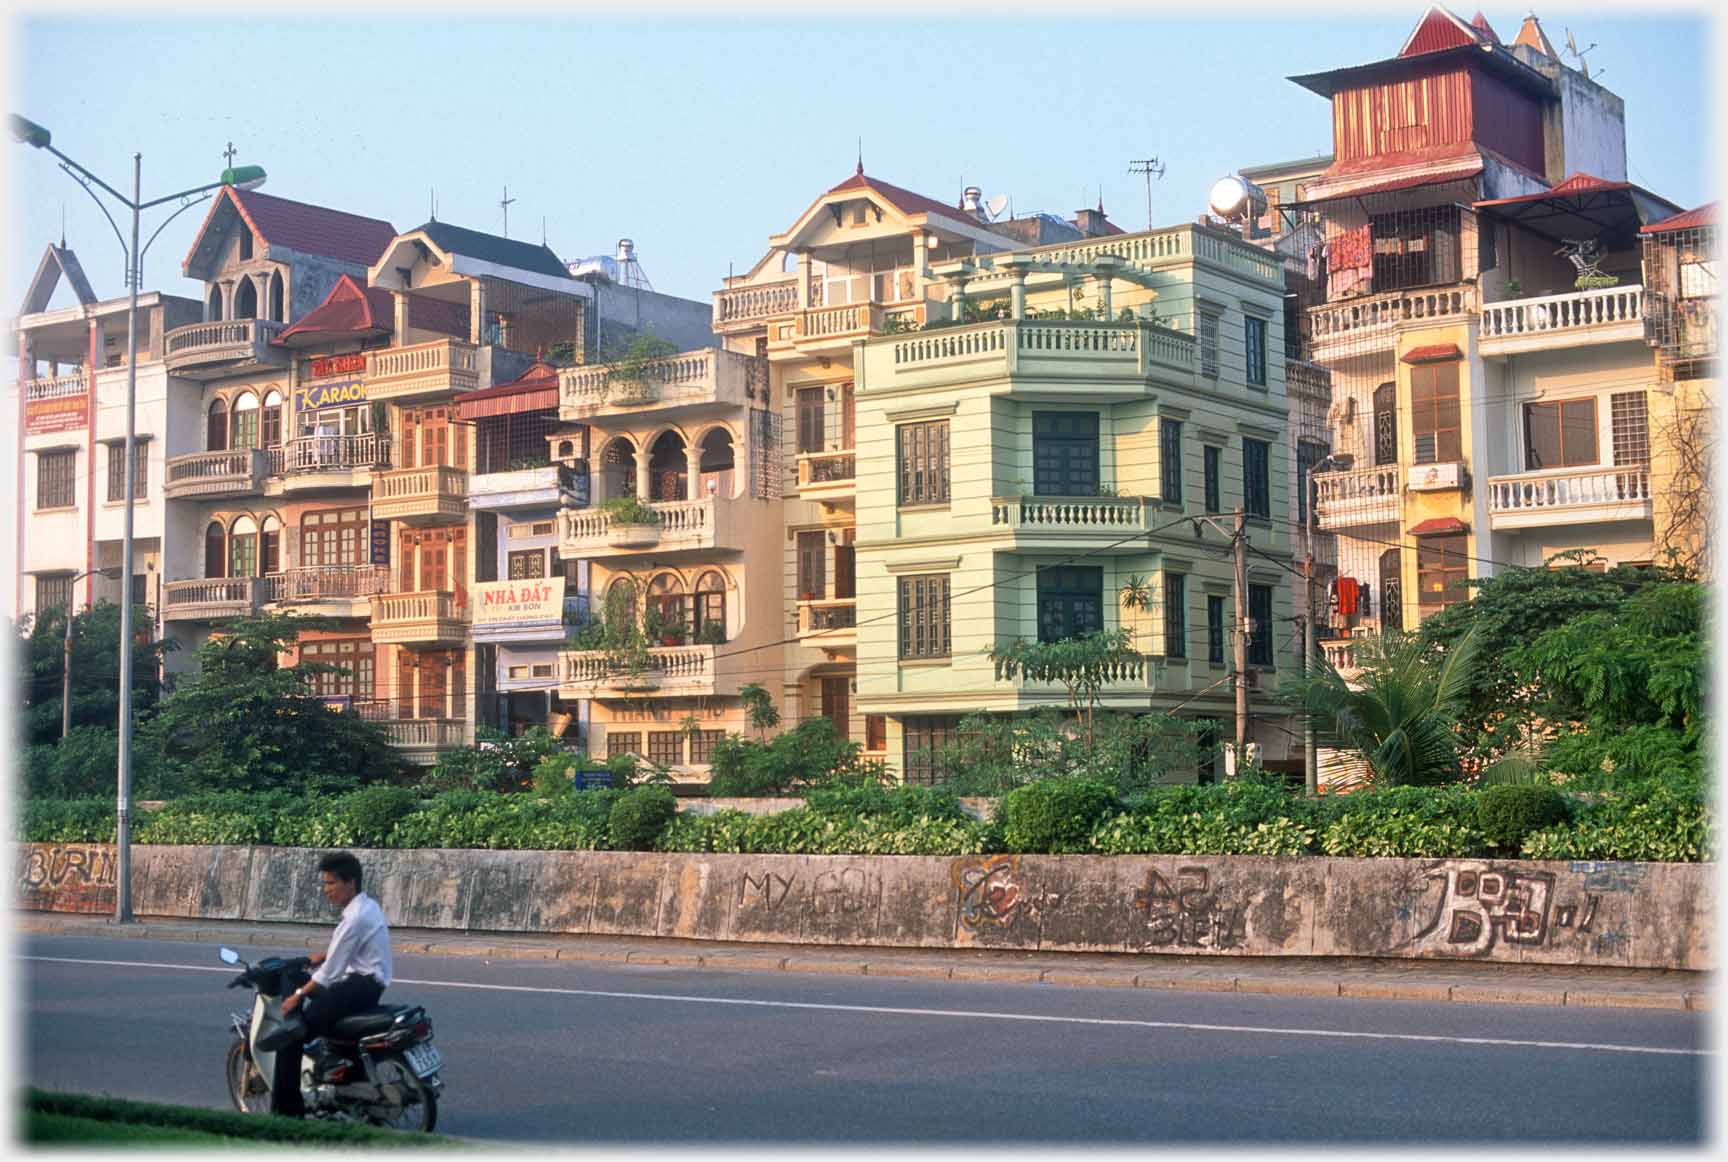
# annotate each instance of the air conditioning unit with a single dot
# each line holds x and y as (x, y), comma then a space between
(1436, 477)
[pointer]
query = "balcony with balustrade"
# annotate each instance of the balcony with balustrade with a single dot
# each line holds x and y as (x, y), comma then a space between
(683, 526)
(675, 385)
(828, 475)
(1562, 322)
(427, 618)
(747, 308)
(229, 347)
(1570, 496)
(1093, 524)
(312, 464)
(73, 383)
(327, 590)
(829, 623)
(1126, 685)
(210, 475)
(663, 671)
(1361, 496)
(1351, 326)
(1340, 653)
(422, 371)
(831, 330)
(1103, 361)
(212, 598)
(421, 496)
(420, 740)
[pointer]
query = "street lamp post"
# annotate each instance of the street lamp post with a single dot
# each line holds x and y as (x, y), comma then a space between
(66, 658)
(1310, 745)
(248, 177)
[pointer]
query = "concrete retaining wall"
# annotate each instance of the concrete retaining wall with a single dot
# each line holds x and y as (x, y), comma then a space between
(1639, 915)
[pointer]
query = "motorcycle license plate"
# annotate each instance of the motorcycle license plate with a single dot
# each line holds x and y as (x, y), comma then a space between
(423, 1059)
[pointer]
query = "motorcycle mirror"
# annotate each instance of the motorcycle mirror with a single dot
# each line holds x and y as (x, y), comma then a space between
(228, 955)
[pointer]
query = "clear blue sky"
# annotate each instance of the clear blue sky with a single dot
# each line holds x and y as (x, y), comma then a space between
(700, 138)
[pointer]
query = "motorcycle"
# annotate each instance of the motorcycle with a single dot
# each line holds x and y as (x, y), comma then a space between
(383, 1068)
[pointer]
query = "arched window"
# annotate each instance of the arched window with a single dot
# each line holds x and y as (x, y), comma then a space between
(243, 548)
(272, 419)
(716, 464)
(618, 469)
(214, 312)
(246, 300)
(710, 603)
(668, 467)
(245, 244)
(215, 550)
(243, 424)
(620, 608)
(270, 547)
(276, 297)
(216, 429)
(668, 603)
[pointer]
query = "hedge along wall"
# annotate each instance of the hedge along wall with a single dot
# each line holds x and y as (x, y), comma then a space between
(1635, 915)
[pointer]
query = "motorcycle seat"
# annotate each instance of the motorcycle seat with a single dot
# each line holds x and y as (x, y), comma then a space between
(367, 1021)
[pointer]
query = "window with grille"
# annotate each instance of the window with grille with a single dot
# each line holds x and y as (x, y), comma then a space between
(1442, 568)
(334, 537)
(527, 564)
(665, 747)
(1308, 454)
(922, 742)
(117, 469)
(1170, 460)
(355, 656)
(1257, 478)
(1070, 601)
(924, 616)
(1434, 413)
(1392, 590)
(625, 742)
(1415, 247)
(1260, 613)
(1214, 478)
(53, 593)
(875, 732)
(1208, 325)
(923, 456)
(1386, 424)
(56, 479)
(702, 744)
(1175, 615)
(1561, 434)
(1254, 349)
(1065, 453)
(1215, 629)
(1631, 427)
(512, 442)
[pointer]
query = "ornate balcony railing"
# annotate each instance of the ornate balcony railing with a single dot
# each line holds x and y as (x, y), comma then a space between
(668, 669)
(437, 493)
(231, 473)
(1564, 320)
(205, 599)
(1102, 514)
(709, 375)
(56, 386)
(1589, 494)
(1030, 346)
(828, 618)
(326, 583)
(820, 468)
(444, 365)
(683, 524)
(751, 303)
(212, 346)
(1374, 314)
(1362, 496)
(330, 453)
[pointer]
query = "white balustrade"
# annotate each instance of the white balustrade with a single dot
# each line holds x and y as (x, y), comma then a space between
(1568, 314)
(1350, 317)
(1069, 514)
(247, 333)
(327, 453)
(756, 302)
(665, 665)
(425, 606)
(1587, 488)
(1360, 496)
(325, 582)
(56, 387)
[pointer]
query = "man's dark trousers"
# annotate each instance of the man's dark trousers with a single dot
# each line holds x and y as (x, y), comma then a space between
(320, 1011)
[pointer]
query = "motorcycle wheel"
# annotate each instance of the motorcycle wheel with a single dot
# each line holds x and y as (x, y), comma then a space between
(246, 1085)
(416, 1109)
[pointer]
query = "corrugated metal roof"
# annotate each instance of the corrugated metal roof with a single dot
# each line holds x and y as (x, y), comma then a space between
(536, 259)
(534, 390)
(1439, 30)
(1438, 526)
(1433, 353)
(1704, 215)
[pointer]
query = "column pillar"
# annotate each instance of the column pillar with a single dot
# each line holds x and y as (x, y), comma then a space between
(642, 483)
(1103, 281)
(693, 472)
(1017, 295)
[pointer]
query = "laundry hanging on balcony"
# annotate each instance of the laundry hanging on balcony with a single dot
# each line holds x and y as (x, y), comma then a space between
(1350, 262)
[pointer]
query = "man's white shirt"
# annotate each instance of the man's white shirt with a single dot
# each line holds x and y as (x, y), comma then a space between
(360, 944)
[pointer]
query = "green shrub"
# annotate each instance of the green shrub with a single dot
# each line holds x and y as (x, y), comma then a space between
(639, 816)
(372, 812)
(68, 820)
(1054, 815)
(802, 831)
(1198, 833)
(1406, 822)
(1506, 814)
(899, 803)
(1661, 825)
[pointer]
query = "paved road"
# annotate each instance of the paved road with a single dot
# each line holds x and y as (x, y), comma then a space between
(586, 1053)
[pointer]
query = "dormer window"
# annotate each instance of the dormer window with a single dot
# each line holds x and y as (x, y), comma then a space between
(860, 212)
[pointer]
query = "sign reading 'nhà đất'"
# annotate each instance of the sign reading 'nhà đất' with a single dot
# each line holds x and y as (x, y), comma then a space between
(534, 599)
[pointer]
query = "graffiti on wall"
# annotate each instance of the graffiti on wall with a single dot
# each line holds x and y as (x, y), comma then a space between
(838, 892)
(769, 890)
(1188, 913)
(992, 892)
(1482, 905)
(66, 877)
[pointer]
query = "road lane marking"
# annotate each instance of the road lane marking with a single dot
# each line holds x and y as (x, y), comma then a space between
(973, 1014)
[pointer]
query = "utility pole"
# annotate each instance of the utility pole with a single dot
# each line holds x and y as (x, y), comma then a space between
(1310, 749)
(1240, 542)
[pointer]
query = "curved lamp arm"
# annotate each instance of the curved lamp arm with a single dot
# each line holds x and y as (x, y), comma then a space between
(145, 249)
(83, 180)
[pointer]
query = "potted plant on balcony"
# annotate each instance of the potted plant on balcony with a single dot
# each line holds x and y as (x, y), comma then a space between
(711, 633)
(634, 524)
(634, 376)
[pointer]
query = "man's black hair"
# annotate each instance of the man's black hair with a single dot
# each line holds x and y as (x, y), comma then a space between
(343, 866)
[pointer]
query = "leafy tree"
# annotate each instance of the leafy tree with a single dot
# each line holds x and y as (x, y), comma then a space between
(1083, 665)
(86, 764)
(1502, 698)
(247, 722)
(994, 753)
(813, 753)
(759, 709)
(496, 762)
(95, 669)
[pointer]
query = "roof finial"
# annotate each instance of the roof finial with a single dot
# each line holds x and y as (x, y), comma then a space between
(229, 154)
(431, 203)
(62, 225)
(860, 156)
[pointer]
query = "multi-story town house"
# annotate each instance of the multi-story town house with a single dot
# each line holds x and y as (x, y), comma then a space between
(71, 435)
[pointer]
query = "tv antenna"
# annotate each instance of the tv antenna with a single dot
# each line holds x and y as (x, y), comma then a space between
(1577, 54)
(1151, 167)
(505, 205)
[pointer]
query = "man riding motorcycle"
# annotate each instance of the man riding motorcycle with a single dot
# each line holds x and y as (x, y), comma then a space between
(348, 978)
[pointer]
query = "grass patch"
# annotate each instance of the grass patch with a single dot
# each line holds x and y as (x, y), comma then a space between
(72, 1119)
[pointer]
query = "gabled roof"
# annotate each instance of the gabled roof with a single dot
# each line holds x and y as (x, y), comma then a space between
(493, 248)
(1480, 23)
(536, 389)
(291, 225)
(349, 309)
(58, 261)
(1532, 36)
(1440, 29)
(905, 201)
(1704, 215)
(1440, 38)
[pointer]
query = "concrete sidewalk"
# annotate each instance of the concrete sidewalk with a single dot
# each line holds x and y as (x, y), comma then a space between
(1462, 982)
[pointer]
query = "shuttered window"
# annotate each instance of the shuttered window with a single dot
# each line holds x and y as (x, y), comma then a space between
(923, 457)
(924, 616)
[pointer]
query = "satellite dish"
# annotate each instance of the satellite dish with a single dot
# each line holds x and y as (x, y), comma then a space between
(1235, 197)
(994, 207)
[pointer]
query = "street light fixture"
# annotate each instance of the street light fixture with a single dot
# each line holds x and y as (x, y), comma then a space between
(248, 177)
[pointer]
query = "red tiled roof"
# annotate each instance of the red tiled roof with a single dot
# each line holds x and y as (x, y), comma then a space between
(348, 309)
(313, 229)
(534, 390)
(1433, 353)
(905, 201)
(1435, 526)
(1704, 215)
